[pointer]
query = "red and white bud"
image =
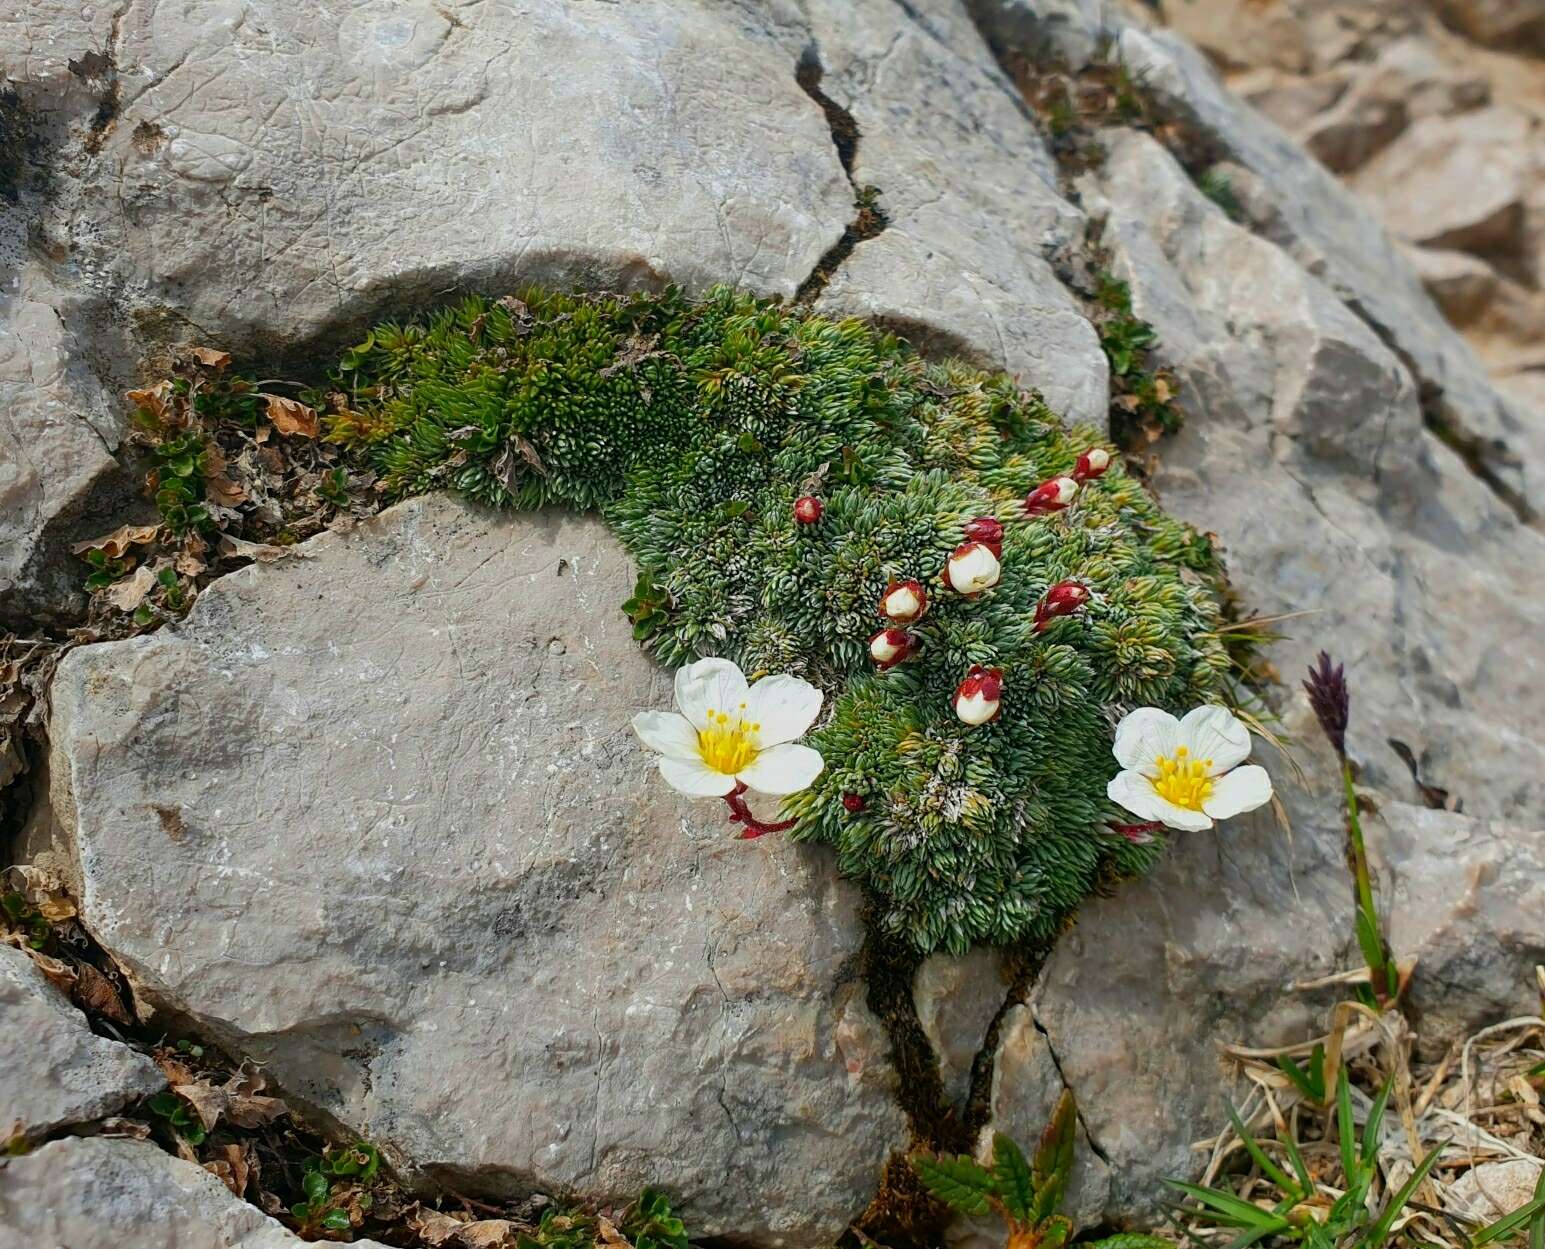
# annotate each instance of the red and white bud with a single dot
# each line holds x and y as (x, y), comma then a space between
(1137, 834)
(1052, 495)
(979, 696)
(987, 530)
(904, 601)
(808, 509)
(972, 568)
(889, 647)
(1063, 599)
(853, 803)
(1091, 464)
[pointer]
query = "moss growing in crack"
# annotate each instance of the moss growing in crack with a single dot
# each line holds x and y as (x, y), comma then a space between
(693, 427)
(1142, 402)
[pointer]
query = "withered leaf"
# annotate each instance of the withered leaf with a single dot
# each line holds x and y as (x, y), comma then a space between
(177, 1073)
(253, 1110)
(56, 908)
(224, 491)
(291, 416)
(433, 1227)
(59, 973)
(609, 1233)
(153, 399)
(208, 1102)
(129, 592)
(263, 552)
(488, 1234)
(95, 992)
(211, 358)
(118, 1126)
(120, 540)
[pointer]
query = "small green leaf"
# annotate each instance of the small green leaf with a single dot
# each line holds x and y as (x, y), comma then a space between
(1054, 1158)
(1012, 1177)
(336, 1221)
(165, 1104)
(958, 1182)
(1275, 1173)
(315, 1186)
(1055, 1232)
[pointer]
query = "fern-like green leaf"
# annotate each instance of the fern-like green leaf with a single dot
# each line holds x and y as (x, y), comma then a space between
(1012, 1177)
(959, 1183)
(1054, 1158)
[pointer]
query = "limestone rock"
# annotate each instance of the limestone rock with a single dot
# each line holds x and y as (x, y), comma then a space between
(59, 479)
(376, 817)
(57, 1072)
(293, 171)
(1463, 897)
(971, 197)
(1292, 201)
(956, 1000)
(1303, 450)
(128, 1194)
(1497, 1188)
(1026, 1085)
(1456, 182)
(1462, 285)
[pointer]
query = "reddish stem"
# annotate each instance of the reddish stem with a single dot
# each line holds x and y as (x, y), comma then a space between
(741, 814)
(1133, 831)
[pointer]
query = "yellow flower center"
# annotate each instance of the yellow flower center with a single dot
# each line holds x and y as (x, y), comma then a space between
(1183, 780)
(727, 745)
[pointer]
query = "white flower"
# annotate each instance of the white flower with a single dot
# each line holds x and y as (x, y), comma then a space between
(729, 732)
(1185, 773)
(972, 568)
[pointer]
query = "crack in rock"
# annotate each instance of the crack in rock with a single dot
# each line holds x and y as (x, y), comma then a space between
(869, 220)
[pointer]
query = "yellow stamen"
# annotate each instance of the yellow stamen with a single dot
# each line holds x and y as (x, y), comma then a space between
(729, 745)
(1183, 780)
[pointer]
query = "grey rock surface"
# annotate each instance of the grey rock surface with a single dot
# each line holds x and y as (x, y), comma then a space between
(376, 817)
(1290, 199)
(280, 170)
(1458, 182)
(1304, 451)
(59, 477)
(83, 1192)
(57, 1072)
(956, 1000)
(971, 195)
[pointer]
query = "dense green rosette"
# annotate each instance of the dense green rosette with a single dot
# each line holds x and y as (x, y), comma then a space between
(693, 427)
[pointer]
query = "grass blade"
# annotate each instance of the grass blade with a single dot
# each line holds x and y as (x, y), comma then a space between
(1270, 1168)
(1231, 1211)
(1380, 1230)
(1375, 1119)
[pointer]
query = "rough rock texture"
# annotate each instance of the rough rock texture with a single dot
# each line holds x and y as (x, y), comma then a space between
(1464, 896)
(57, 1072)
(376, 817)
(98, 1191)
(1305, 450)
(971, 193)
(1497, 1188)
(1443, 140)
(956, 999)
(1457, 182)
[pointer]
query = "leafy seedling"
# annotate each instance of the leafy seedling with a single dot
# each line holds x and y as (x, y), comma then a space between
(179, 1116)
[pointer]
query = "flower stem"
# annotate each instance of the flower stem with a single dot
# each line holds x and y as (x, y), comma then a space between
(1369, 937)
(740, 813)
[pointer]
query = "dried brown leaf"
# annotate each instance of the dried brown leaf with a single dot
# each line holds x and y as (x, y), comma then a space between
(95, 992)
(120, 540)
(433, 1227)
(154, 399)
(133, 1129)
(263, 552)
(609, 1233)
(129, 592)
(291, 416)
(211, 358)
(224, 491)
(251, 1110)
(487, 1234)
(233, 1164)
(208, 1102)
(59, 973)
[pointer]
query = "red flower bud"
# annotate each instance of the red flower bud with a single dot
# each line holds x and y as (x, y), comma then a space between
(904, 601)
(808, 509)
(1063, 599)
(979, 696)
(987, 530)
(1137, 834)
(1091, 464)
(890, 647)
(972, 568)
(854, 803)
(1052, 495)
